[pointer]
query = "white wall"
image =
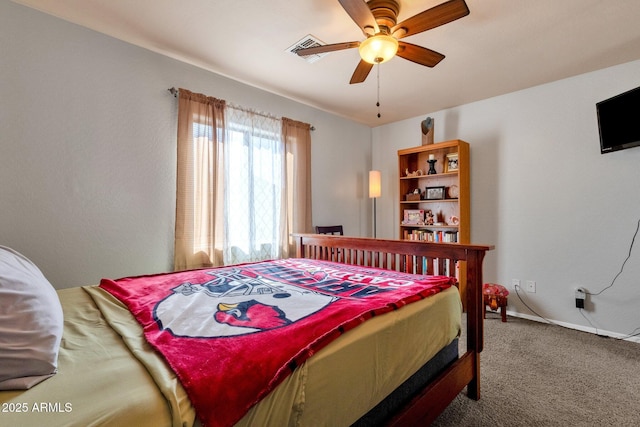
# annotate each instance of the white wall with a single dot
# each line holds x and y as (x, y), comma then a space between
(557, 211)
(87, 149)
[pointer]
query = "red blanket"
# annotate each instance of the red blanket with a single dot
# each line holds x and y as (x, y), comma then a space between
(232, 334)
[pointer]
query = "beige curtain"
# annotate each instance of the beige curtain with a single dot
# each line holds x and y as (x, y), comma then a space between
(198, 223)
(297, 140)
(201, 227)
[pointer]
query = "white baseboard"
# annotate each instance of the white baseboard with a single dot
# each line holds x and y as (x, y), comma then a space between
(582, 328)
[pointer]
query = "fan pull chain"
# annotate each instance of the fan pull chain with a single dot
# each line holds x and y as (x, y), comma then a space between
(378, 100)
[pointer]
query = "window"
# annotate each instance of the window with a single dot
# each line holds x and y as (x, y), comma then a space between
(254, 164)
(243, 183)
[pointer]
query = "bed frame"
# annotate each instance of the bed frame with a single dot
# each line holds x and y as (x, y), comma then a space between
(419, 258)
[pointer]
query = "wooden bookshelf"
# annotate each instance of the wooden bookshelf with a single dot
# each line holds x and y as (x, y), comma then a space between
(444, 193)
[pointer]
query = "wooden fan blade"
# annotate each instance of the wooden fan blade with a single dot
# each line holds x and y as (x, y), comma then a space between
(361, 72)
(326, 48)
(361, 15)
(431, 18)
(418, 54)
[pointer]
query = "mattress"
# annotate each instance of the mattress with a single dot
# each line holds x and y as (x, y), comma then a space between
(109, 375)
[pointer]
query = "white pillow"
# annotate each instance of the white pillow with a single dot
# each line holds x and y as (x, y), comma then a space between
(31, 323)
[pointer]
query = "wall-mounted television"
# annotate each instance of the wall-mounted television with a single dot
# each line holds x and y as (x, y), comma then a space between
(619, 121)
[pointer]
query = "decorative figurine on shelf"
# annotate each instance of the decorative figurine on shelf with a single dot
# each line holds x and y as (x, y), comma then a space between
(432, 165)
(414, 173)
(414, 196)
(430, 218)
(427, 130)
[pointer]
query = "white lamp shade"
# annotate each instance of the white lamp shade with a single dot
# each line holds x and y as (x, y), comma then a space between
(378, 49)
(374, 184)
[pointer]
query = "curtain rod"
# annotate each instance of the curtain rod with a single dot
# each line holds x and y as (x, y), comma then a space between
(174, 92)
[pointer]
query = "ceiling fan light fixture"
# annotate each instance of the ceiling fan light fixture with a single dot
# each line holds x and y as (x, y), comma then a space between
(378, 49)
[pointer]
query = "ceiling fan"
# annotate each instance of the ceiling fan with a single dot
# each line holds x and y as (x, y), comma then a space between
(378, 21)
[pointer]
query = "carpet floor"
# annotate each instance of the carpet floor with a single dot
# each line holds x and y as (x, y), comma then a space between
(538, 374)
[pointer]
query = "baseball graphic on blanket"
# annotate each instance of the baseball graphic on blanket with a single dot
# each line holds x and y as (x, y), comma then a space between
(235, 304)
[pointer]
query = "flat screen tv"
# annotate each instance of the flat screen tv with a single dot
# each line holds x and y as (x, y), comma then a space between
(619, 121)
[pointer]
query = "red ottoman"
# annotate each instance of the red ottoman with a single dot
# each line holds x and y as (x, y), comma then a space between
(495, 296)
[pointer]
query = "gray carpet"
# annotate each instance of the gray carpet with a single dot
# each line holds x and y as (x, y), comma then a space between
(536, 374)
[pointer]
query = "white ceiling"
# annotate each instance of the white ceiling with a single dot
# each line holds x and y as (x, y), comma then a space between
(501, 46)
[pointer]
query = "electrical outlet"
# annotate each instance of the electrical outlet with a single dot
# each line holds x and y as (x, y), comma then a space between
(531, 286)
(515, 284)
(581, 295)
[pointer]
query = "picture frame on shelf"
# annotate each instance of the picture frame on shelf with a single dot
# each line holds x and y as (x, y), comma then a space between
(434, 193)
(413, 216)
(451, 165)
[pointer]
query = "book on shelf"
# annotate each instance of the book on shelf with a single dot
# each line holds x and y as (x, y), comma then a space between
(437, 236)
(433, 267)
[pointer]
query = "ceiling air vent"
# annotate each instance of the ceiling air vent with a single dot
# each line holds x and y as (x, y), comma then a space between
(306, 42)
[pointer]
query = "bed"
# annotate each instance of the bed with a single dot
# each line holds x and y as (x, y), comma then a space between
(108, 374)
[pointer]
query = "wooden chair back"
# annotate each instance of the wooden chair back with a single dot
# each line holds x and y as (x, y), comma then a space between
(330, 229)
